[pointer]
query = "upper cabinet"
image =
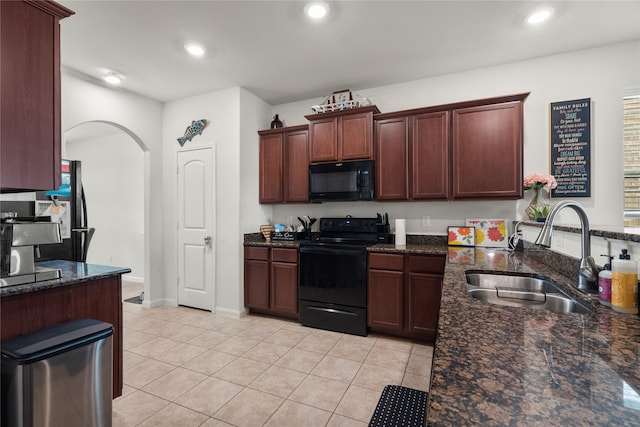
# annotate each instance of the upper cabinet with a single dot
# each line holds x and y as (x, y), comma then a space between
(467, 150)
(487, 151)
(284, 165)
(341, 135)
(30, 147)
(412, 156)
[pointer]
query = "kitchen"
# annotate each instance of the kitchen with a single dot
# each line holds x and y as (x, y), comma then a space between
(238, 209)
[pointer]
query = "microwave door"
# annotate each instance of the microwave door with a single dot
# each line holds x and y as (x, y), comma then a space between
(339, 181)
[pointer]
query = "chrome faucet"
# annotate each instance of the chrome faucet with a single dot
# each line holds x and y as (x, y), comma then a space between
(588, 272)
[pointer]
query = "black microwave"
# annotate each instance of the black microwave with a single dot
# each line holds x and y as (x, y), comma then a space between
(342, 181)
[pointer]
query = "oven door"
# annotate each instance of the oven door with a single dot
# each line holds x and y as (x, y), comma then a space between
(333, 273)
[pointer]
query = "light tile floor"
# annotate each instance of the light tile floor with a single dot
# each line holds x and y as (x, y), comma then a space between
(186, 367)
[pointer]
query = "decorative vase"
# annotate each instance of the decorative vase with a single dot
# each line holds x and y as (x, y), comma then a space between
(537, 209)
(276, 123)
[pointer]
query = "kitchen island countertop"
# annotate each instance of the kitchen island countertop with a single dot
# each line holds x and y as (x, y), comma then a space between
(497, 365)
(72, 273)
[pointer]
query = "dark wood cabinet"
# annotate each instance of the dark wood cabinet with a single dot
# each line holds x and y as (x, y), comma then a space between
(323, 139)
(385, 308)
(392, 159)
(271, 168)
(256, 277)
(425, 291)
(284, 280)
(284, 165)
(341, 135)
(466, 150)
(487, 151)
(412, 157)
(271, 280)
(430, 156)
(296, 172)
(404, 294)
(99, 299)
(30, 152)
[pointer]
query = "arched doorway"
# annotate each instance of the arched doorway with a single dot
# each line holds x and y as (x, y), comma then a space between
(114, 179)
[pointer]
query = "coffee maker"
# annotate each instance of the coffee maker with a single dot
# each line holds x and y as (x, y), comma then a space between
(19, 240)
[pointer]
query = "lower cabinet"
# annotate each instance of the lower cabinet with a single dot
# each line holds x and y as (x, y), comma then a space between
(404, 294)
(271, 280)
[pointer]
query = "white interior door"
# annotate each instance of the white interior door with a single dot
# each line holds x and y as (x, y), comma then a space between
(196, 241)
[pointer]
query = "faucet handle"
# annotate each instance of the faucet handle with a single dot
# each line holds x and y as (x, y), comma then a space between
(589, 269)
(588, 276)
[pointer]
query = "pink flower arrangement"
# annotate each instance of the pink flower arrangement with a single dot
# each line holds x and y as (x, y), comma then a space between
(537, 180)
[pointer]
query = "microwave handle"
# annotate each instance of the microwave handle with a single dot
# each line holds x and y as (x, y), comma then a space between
(359, 177)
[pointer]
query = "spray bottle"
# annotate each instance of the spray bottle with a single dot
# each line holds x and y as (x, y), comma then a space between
(624, 284)
(604, 283)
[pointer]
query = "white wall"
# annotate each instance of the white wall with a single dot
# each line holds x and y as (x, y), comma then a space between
(234, 138)
(86, 100)
(113, 181)
(601, 74)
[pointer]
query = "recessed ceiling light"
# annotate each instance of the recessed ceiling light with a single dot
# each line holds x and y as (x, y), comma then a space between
(539, 16)
(113, 78)
(194, 49)
(316, 9)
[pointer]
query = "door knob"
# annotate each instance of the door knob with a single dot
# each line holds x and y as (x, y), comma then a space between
(207, 240)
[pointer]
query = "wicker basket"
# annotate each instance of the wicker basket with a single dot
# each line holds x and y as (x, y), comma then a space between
(266, 231)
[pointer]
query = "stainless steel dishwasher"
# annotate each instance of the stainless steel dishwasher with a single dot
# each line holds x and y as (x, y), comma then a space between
(59, 376)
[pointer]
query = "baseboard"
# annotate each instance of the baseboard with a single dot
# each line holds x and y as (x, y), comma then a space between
(229, 312)
(134, 279)
(163, 302)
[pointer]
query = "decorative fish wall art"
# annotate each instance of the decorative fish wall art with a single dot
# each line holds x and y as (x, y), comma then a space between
(192, 130)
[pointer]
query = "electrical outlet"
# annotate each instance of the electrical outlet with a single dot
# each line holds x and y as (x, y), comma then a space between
(426, 221)
(557, 239)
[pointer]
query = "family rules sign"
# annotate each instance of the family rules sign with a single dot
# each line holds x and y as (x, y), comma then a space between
(571, 147)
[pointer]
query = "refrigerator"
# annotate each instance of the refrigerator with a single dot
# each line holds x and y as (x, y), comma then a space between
(66, 205)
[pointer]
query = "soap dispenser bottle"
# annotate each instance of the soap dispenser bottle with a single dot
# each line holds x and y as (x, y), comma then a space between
(624, 284)
(604, 283)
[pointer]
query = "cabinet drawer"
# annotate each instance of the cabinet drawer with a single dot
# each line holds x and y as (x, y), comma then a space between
(284, 255)
(256, 252)
(426, 264)
(386, 261)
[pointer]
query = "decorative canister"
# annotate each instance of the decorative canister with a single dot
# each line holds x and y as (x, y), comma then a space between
(276, 123)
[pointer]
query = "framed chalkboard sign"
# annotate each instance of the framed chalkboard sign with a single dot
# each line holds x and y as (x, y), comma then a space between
(571, 147)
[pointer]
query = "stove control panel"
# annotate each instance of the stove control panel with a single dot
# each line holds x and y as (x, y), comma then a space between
(348, 224)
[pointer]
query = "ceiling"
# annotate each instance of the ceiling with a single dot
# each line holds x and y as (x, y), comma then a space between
(273, 51)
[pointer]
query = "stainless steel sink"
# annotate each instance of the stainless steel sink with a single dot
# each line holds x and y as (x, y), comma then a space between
(522, 283)
(521, 291)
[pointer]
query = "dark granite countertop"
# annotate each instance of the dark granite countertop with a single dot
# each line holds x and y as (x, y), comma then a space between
(72, 272)
(496, 365)
(506, 366)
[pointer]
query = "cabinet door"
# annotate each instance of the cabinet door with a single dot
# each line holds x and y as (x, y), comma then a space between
(355, 136)
(284, 287)
(487, 151)
(425, 291)
(271, 168)
(256, 283)
(430, 156)
(296, 182)
(385, 300)
(30, 104)
(391, 159)
(323, 140)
